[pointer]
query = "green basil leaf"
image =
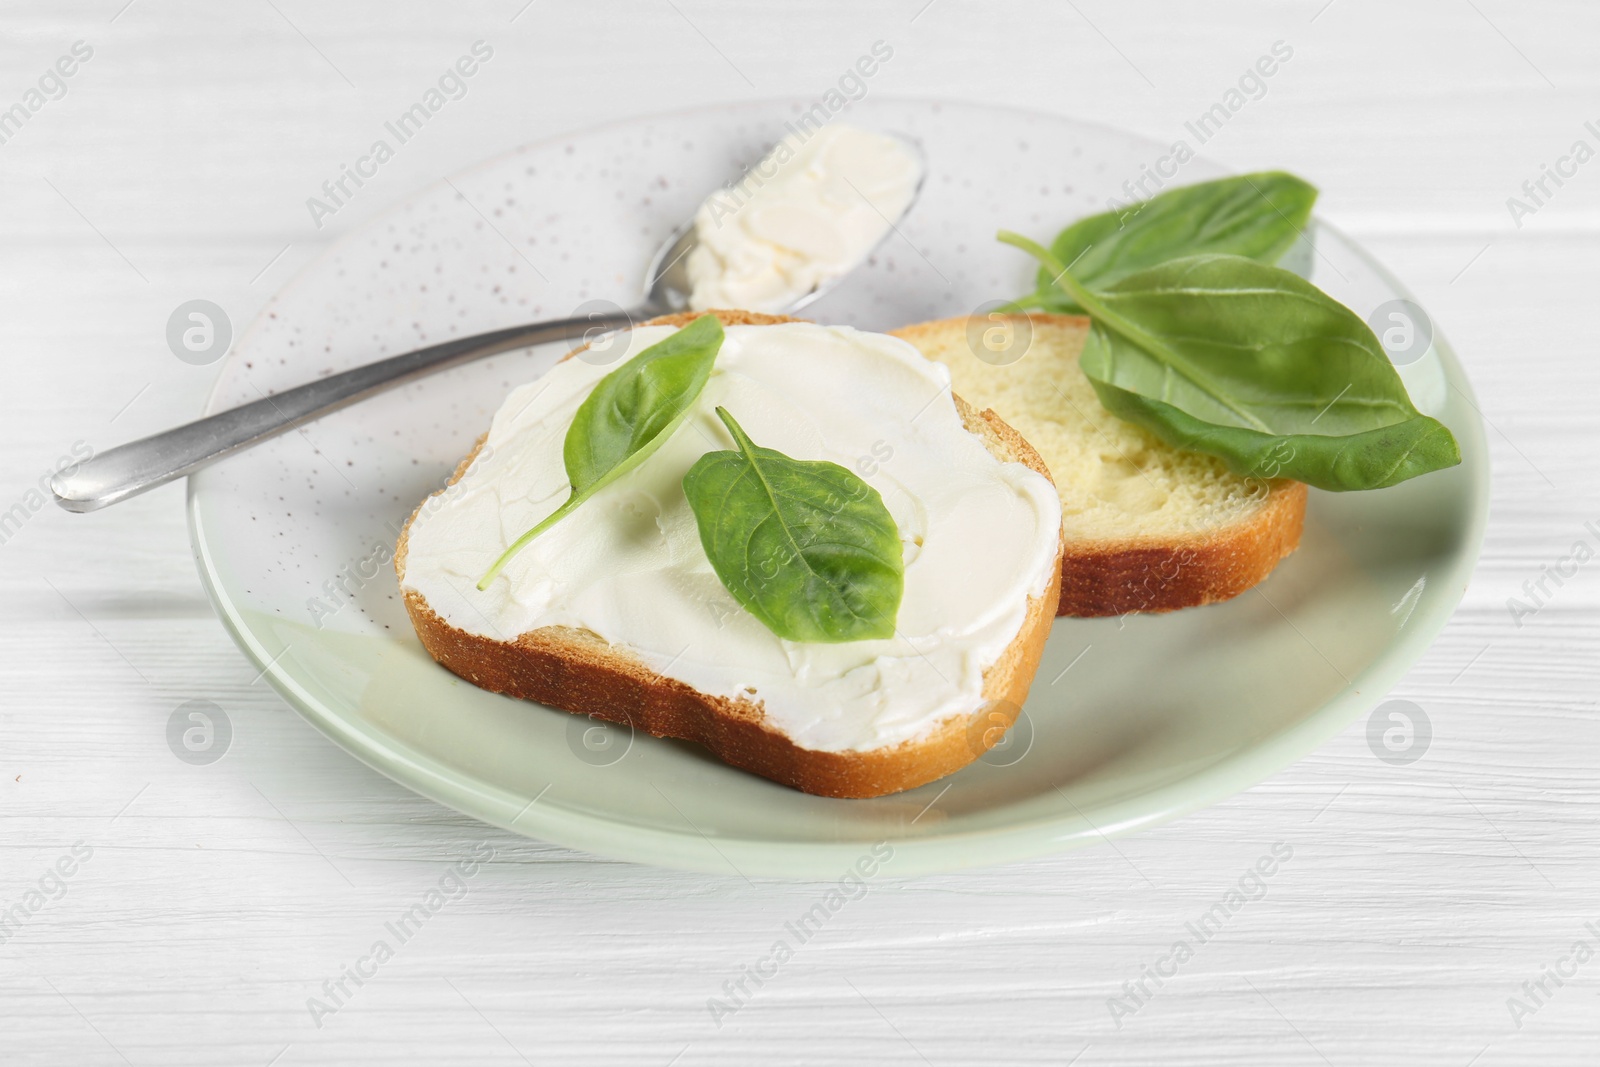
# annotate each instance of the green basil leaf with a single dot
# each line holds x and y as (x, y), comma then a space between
(1238, 359)
(804, 545)
(631, 413)
(1258, 216)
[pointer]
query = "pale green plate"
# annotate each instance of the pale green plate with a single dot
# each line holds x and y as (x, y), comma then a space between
(1131, 721)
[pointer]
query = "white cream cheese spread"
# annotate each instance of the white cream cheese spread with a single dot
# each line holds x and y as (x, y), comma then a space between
(806, 214)
(979, 535)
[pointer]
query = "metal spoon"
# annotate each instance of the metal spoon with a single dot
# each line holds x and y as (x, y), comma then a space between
(134, 468)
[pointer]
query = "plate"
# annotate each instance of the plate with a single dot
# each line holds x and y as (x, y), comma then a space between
(294, 538)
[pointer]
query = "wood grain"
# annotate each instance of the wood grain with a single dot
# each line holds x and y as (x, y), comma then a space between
(219, 898)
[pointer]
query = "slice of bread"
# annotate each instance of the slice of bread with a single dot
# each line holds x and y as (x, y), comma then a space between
(579, 671)
(1148, 527)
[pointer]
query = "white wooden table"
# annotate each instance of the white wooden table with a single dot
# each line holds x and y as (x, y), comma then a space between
(214, 901)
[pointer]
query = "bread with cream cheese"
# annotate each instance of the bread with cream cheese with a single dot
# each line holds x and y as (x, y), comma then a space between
(581, 671)
(1148, 527)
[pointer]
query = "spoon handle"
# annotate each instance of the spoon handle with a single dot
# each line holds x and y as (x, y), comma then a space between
(133, 468)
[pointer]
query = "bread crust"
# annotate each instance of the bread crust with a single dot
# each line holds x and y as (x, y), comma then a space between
(580, 672)
(1101, 578)
(1158, 574)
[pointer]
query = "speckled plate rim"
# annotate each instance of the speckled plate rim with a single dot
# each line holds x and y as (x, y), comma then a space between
(689, 850)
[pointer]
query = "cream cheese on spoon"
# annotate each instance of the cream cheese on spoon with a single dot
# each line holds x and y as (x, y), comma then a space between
(805, 215)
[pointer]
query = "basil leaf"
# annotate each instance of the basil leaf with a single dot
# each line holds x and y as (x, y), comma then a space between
(1238, 359)
(631, 413)
(804, 545)
(1258, 216)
